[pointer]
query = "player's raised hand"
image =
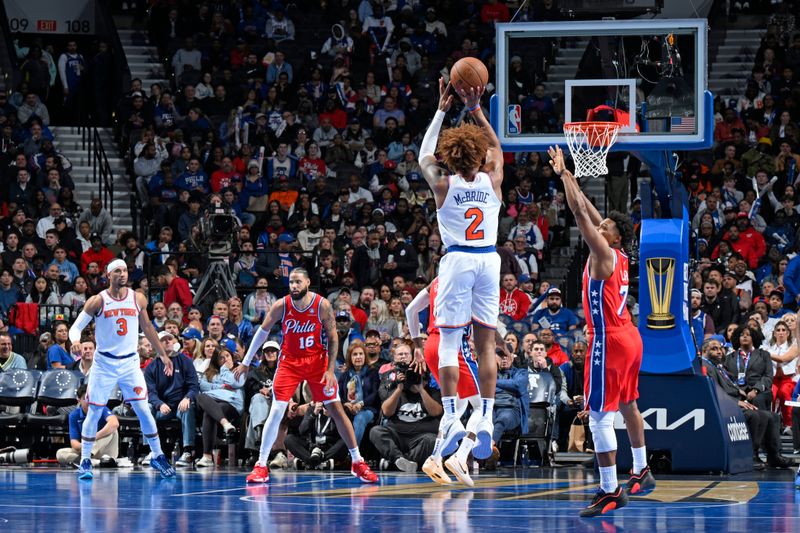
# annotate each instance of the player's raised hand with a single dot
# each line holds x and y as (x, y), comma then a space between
(471, 96)
(445, 99)
(418, 362)
(556, 159)
(167, 365)
(240, 371)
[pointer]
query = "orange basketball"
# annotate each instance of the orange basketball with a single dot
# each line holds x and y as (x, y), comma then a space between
(469, 72)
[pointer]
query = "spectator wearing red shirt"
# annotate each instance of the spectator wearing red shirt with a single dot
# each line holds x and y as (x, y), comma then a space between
(97, 253)
(494, 11)
(513, 302)
(336, 115)
(554, 351)
(226, 177)
(749, 243)
(312, 165)
(177, 288)
(723, 131)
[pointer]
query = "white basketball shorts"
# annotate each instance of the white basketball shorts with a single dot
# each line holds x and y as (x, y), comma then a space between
(107, 373)
(469, 289)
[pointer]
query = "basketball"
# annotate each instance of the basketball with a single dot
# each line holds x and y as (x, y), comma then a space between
(469, 72)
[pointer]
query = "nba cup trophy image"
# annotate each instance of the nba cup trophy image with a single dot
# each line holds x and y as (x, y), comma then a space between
(660, 277)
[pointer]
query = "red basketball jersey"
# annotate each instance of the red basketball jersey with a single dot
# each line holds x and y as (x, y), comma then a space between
(604, 301)
(433, 290)
(302, 330)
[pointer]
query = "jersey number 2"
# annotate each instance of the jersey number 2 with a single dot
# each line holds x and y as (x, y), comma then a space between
(122, 327)
(473, 233)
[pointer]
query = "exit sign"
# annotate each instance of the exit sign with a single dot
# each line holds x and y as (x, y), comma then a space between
(46, 25)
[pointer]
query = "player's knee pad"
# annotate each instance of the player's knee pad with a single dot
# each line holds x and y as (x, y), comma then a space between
(449, 346)
(146, 420)
(602, 427)
(93, 415)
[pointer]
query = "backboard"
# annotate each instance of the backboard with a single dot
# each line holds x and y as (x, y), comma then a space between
(650, 75)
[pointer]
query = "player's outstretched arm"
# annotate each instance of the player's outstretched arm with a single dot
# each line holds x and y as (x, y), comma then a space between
(328, 319)
(90, 309)
(598, 246)
(494, 154)
(433, 173)
(150, 332)
(420, 302)
(260, 337)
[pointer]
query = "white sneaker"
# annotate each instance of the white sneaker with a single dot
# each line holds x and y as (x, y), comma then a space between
(204, 462)
(459, 469)
(454, 434)
(405, 465)
(434, 469)
(279, 461)
(554, 447)
(147, 459)
(184, 460)
(383, 465)
(124, 462)
(483, 439)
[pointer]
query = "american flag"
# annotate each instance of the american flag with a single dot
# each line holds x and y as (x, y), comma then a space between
(682, 125)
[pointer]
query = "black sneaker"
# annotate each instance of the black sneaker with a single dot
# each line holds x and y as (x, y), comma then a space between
(641, 484)
(604, 502)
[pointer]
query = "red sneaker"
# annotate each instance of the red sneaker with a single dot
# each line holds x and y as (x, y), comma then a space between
(363, 472)
(260, 474)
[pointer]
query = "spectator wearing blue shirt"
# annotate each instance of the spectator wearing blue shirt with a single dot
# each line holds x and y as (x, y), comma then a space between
(107, 443)
(9, 359)
(557, 318)
(58, 354)
(511, 397)
(776, 307)
(194, 179)
(9, 293)
(66, 268)
(791, 282)
(174, 396)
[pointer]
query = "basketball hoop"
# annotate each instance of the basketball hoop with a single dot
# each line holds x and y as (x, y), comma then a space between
(589, 143)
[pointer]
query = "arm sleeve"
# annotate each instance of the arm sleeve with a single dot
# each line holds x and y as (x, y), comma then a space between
(417, 305)
(259, 339)
(431, 138)
(77, 327)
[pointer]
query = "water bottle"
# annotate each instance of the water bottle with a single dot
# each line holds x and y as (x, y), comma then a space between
(175, 454)
(523, 456)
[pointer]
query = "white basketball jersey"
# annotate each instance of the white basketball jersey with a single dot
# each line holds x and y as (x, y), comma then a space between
(117, 325)
(470, 213)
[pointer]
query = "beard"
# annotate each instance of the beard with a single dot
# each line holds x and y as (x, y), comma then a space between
(300, 295)
(554, 307)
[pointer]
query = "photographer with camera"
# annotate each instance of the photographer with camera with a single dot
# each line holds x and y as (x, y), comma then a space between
(412, 410)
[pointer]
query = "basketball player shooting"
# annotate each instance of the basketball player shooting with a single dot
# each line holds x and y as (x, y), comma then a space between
(307, 322)
(118, 313)
(468, 204)
(611, 377)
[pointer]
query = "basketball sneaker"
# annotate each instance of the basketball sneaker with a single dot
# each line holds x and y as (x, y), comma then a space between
(641, 484)
(260, 474)
(483, 439)
(459, 469)
(434, 469)
(604, 502)
(453, 435)
(161, 464)
(85, 469)
(362, 471)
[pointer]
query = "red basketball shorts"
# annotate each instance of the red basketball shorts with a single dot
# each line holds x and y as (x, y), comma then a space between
(467, 366)
(291, 372)
(611, 372)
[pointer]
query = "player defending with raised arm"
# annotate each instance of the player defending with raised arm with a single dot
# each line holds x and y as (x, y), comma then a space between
(468, 204)
(611, 378)
(118, 313)
(307, 322)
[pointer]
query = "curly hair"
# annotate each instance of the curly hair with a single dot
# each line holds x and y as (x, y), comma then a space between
(463, 148)
(624, 227)
(755, 335)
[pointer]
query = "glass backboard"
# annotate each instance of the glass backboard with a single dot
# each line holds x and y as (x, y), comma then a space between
(650, 75)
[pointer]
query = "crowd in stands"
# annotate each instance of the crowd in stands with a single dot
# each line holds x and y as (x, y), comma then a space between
(310, 138)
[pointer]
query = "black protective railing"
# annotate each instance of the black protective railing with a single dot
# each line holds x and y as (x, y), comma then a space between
(102, 173)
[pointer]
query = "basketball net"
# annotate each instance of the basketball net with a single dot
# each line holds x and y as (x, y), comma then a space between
(589, 143)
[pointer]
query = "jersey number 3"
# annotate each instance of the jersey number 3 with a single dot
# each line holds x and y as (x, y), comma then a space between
(122, 327)
(472, 232)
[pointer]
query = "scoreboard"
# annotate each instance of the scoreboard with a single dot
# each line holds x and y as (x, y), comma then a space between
(51, 16)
